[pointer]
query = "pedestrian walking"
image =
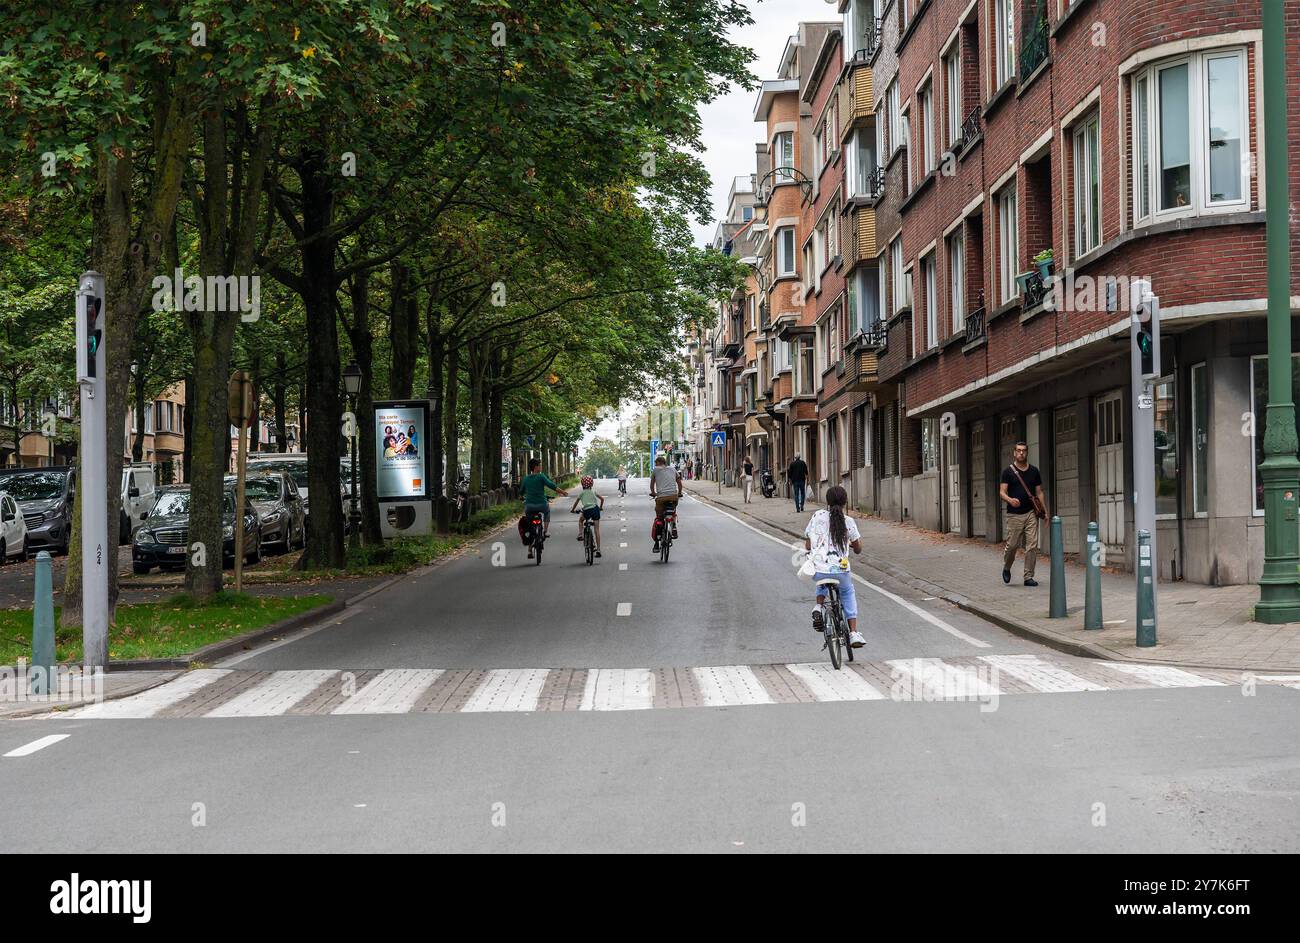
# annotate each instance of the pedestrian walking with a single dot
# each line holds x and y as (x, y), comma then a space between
(797, 473)
(1021, 488)
(747, 477)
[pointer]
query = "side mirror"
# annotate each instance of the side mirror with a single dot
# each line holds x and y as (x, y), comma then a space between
(133, 492)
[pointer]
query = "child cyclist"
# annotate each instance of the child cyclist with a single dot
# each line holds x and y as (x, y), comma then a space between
(828, 538)
(591, 506)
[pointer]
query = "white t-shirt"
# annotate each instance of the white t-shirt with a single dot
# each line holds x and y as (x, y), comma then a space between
(826, 558)
(665, 479)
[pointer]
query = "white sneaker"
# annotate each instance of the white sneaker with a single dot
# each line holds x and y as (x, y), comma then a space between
(856, 639)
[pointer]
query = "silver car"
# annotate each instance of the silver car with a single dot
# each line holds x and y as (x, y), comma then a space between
(280, 507)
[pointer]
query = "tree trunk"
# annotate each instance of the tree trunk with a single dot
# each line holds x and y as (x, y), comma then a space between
(450, 426)
(278, 390)
(437, 455)
(403, 335)
(363, 350)
(187, 426)
(320, 281)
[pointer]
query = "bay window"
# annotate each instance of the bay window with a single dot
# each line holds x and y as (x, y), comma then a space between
(783, 150)
(1189, 136)
(785, 251)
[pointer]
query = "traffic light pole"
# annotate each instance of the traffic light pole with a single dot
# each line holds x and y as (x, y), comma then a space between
(1279, 586)
(97, 554)
(1144, 327)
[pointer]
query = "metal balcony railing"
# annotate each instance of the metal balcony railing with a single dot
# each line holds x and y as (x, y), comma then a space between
(970, 128)
(1034, 49)
(975, 322)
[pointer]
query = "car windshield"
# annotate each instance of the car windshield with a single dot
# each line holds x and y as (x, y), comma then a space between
(178, 502)
(262, 489)
(41, 486)
(296, 470)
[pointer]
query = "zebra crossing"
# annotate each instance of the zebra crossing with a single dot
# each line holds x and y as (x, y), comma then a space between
(226, 693)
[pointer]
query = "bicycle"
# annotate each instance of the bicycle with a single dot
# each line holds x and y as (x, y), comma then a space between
(588, 537)
(835, 626)
(667, 523)
(622, 486)
(537, 530)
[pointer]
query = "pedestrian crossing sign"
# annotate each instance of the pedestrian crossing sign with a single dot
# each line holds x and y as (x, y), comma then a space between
(717, 439)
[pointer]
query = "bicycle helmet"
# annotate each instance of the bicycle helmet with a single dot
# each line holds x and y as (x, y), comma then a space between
(586, 481)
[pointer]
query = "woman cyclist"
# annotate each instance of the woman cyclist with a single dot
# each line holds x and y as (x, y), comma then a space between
(828, 538)
(622, 480)
(591, 506)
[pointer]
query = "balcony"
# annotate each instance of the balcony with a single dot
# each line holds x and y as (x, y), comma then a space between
(970, 130)
(862, 360)
(855, 96)
(862, 237)
(1034, 49)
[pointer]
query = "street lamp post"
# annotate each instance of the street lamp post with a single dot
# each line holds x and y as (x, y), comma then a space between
(352, 383)
(1279, 586)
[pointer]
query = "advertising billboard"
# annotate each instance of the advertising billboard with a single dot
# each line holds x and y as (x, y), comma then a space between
(401, 467)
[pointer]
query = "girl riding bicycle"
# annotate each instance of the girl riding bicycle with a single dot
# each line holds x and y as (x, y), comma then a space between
(828, 538)
(591, 506)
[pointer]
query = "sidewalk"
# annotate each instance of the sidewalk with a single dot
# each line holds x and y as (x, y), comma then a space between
(116, 684)
(1198, 626)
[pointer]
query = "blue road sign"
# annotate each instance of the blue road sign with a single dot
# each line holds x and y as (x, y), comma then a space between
(718, 439)
(654, 450)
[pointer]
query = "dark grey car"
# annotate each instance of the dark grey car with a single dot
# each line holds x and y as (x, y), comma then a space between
(45, 497)
(279, 506)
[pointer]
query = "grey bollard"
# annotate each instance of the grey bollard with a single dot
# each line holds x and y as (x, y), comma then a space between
(1056, 595)
(1146, 592)
(42, 668)
(1092, 581)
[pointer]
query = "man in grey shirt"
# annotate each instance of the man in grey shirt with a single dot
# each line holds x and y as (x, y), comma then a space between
(666, 489)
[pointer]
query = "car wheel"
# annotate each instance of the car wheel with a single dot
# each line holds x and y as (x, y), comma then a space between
(140, 569)
(23, 554)
(3, 554)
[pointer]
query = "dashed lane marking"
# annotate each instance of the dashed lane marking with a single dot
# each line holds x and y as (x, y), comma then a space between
(624, 609)
(29, 748)
(243, 693)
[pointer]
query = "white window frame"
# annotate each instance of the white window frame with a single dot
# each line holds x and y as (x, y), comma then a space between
(784, 161)
(957, 280)
(930, 278)
(1008, 241)
(926, 96)
(952, 74)
(895, 115)
(896, 274)
(1145, 93)
(783, 270)
(1087, 216)
(1004, 42)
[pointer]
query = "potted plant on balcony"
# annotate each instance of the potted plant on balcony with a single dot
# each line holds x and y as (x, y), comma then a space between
(1044, 261)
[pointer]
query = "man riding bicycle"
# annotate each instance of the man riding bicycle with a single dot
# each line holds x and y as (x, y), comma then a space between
(534, 487)
(622, 480)
(666, 489)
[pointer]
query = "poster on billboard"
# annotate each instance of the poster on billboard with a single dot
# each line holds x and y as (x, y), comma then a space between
(401, 462)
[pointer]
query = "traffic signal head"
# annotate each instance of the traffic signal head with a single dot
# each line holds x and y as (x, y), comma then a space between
(1146, 329)
(90, 330)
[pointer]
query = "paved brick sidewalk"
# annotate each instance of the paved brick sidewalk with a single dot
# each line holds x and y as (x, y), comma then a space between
(1198, 626)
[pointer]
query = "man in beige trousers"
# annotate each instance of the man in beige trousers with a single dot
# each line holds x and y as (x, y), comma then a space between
(1021, 489)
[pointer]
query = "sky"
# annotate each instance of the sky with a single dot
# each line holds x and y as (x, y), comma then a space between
(729, 131)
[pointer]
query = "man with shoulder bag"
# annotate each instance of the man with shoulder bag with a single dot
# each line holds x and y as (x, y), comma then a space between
(1021, 489)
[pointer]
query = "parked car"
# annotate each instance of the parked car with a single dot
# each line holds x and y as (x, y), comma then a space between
(138, 496)
(13, 530)
(45, 498)
(279, 507)
(295, 464)
(164, 540)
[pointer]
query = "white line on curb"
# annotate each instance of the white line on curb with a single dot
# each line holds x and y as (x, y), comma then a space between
(41, 744)
(910, 607)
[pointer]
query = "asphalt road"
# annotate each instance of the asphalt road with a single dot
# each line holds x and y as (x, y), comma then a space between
(1143, 768)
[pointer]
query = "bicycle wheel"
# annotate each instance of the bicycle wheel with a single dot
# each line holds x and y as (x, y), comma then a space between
(590, 543)
(844, 630)
(665, 541)
(538, 542)
(833, 644)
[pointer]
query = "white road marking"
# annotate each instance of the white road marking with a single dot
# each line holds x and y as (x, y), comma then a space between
(910, 607)
(148, 703)
(1163, 676)
(624, 609)
(1040, 675)
(935, 679)
(507, 689)
(730, 686)
(623, 544)
(622, 566)
(1114, 621)
(393, 691)
(41, 744)
(827, 684)
(618, 689)
(275, 695)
